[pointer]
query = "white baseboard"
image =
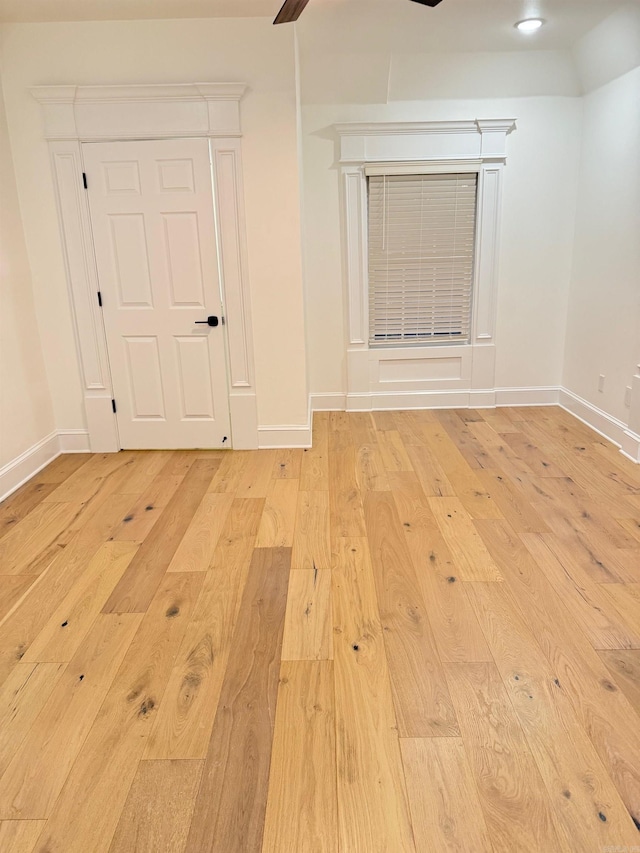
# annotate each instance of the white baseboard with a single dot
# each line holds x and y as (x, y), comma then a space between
(328, 402)
(273, 437)
(74, 441)
(453, 399)
(21, 469)
(604, 424)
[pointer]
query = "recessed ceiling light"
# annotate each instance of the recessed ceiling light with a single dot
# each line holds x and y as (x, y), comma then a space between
(529, 25)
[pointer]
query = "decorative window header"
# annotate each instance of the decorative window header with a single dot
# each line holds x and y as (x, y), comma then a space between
(484, 139)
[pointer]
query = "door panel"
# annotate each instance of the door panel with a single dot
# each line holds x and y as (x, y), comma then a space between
(154, 233)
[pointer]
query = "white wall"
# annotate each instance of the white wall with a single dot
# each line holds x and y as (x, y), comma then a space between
(215, 50)
(603, 333)
(26, 415)
(540, 184)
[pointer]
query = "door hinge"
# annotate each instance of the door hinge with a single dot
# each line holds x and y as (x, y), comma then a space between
(84, 180)
(113, 406)
(99, 299)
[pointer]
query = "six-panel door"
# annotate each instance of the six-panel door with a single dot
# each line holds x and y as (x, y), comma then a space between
(153, 224)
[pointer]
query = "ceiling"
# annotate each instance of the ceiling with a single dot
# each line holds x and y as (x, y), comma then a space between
(454, 25)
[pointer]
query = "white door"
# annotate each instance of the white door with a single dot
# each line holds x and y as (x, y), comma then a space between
(154, 234)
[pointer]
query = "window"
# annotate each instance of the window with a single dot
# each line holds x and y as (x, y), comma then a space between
(421, 255)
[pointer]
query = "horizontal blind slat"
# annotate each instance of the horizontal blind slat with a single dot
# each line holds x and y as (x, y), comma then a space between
(421, 256)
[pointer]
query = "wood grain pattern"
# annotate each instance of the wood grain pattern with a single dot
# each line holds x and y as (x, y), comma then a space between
(308, 631)
(230, 806)
(279, 516)
(422, 701)
(88, 809)
(374, 812)
(20, 836)
(220, 650)
(22, 697)
(195, 551)
(445, 808)
(302, 805)
(157, 813)
(515, 802)
(464, 541)
(139, 583)
(312, 533)
(624, 666)
(32, 781)
(185, 717)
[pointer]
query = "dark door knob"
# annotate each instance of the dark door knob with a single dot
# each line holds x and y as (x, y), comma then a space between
(210, 321)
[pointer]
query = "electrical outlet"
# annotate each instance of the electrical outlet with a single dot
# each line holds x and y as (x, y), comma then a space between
(601, 383)
(627, 396)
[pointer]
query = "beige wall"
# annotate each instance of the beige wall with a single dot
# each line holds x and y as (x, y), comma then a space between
(536, 240)
(603, 334)
(26, 415)
(216, 50)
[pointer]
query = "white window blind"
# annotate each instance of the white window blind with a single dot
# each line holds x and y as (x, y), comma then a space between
(421, 251)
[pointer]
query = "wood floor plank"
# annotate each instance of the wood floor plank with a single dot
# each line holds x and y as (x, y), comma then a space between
(143, 576)
(443, 797)
(516, 806)
(88, 809)
(287, 464)
(429, 471)
(157, 813)
(255, 479)
(624, 666)
(22, 697)
(23, 624)
(314, 467)
(61, 637)
(302, 809)
(455, 627)
(469, 490)
(457, 426)
(373, 813)
(21, 503)
(394, 453)
(513, 505)
(147, 509)
(195, 551)
(626, 599)
(345, 500)
(19, 836)
(21, 547)
(12, 588)
(585, 801)
(32, 781)
(465, 543)
(597, 615)
(371, 475)
(422, 702)
(308, 633)
(186, 714)
(230, 806)
(312, 532)
(602, 710)
(278, 518)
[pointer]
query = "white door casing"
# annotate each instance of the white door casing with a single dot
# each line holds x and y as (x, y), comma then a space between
(153, 228)
(74, 115)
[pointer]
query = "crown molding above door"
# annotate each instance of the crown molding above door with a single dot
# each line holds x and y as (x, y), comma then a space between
(114, 113)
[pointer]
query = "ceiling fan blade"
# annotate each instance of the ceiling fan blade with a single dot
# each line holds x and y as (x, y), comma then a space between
(428, 2)
(291, 11)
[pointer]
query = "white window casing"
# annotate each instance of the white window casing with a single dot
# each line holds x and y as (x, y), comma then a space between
(450, 363)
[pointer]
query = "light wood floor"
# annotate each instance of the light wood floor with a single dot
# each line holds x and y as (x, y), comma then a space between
(423, 634)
